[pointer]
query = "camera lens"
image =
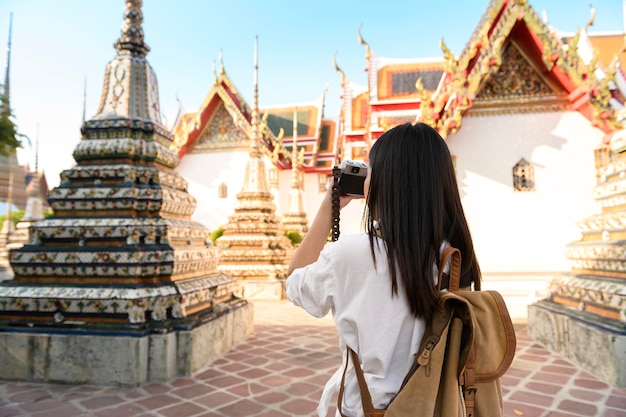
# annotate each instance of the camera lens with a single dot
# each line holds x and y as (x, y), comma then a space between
(355, 170)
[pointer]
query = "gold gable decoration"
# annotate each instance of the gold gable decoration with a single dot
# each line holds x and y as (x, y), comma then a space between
(485, 51)
(220, 133)
(516, 87)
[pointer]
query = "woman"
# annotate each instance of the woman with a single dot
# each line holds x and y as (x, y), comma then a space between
(381, 285)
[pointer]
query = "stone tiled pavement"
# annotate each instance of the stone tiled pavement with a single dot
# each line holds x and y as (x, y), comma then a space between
(281, 370)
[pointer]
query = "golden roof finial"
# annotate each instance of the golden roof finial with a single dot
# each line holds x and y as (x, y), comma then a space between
(339, 70)
(221, 56)
(591, 19)
(448, 56)
(362, 42)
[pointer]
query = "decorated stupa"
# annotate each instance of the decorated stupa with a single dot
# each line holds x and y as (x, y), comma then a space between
(119, 286)
(295, 219)
(254, 248)
(584, 318)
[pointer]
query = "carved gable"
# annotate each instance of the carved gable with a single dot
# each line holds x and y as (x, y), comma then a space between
(517, 87)
(220, 133)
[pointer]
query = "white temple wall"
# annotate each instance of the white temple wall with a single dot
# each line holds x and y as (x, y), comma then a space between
(520, 237)
(204, 173)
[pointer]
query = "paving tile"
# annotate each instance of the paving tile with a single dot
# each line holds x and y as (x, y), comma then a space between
(181, 409)
(532, 398)
(590, 383)
(614, 413)
(101, 402)
(512, 408)
(578, 407)
(158, 401)
(216, 399)
(243, 408)
(544, 388)
(586, 395)
(299, 407)
(225, 381)
(192, 391)
(126, 410)
(35, 406)
(10, 412)
(67, 410)
(249, 388)
(156, 388)
(30, 396)
(617, 402)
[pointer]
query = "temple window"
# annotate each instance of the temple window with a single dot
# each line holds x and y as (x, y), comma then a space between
(222, 191)
(523, 176)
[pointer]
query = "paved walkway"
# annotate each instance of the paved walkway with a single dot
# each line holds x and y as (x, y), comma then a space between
(281, 370)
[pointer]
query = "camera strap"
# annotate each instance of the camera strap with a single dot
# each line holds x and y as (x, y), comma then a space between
(335, 201)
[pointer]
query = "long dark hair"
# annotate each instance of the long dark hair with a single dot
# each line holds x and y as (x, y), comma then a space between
(413, 203)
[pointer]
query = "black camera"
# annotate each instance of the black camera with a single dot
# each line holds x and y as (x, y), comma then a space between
(352, 178)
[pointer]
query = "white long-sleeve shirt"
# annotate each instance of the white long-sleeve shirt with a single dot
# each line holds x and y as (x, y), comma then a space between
(377, 326)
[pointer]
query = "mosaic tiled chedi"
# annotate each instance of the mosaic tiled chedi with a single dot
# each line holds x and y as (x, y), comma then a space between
(597, 283)
(121, 249)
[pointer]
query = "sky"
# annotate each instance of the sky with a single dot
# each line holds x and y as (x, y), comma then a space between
(60, 49)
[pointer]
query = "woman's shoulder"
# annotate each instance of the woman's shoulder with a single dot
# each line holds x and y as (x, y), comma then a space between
(352, 240)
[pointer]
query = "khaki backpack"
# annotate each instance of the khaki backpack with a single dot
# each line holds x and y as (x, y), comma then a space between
(467, 346)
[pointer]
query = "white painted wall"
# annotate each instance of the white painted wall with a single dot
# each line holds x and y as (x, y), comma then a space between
(204, 173)
(517, 232)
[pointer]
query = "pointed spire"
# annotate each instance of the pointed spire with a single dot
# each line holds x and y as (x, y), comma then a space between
(255, 152)
(139, 98)
(131, 39)
(294, 150)
(7, 80)
(84, 99)
(221, 56)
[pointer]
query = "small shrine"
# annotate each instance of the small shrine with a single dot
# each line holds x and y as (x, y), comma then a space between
(119, 286)
(584, 317)
(254, 248)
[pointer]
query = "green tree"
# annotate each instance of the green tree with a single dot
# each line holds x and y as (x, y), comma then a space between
(216, 234)
(294, 236)
(16, 216)
(10, 138)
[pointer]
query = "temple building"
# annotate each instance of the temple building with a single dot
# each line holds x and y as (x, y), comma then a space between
(119, 286)
(519, 107)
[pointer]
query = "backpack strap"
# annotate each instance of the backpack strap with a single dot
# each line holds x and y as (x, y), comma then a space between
(468, 377)
(366, 398)
(454, 255)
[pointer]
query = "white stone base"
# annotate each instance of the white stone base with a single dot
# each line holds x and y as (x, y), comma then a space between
(262, 290)
(598, 350)
(121, 360)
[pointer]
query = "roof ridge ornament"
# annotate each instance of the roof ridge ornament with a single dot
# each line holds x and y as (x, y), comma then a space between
(362, 42)
(131, 39)
(339, 70)
(591, 19)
